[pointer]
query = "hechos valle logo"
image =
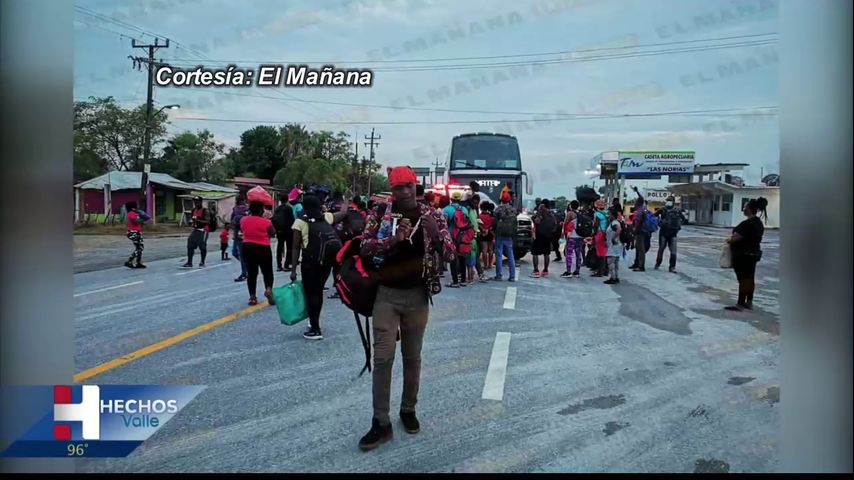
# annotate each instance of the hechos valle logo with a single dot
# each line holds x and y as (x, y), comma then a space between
(87, 412)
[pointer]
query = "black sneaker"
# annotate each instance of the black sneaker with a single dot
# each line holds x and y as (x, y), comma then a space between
(129, 264)
(496, 279)
(640, 269)
(672, 269)
(410, 422)
(139, 265)
(280, 269)
(312, 335)
(657, 266)
(240, 279)
(610, 281)
(376, 436)
(202, 265)
(566, 275)
(286, 269)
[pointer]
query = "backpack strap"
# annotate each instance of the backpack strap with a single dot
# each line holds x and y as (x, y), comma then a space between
(365, 334)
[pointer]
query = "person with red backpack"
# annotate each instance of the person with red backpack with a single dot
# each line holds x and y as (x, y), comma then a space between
(462, 233)
(487, 234)
(407, 241)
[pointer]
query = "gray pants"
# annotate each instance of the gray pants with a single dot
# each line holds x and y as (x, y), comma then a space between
(614, 267)
(406, 310)
(666, 241)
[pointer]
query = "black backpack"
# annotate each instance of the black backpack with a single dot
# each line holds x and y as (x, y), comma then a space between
(627, 237)
(281, 216)
(547, 225)
(584, 226)
(323, 243)
(507, 225)
(671, 221)
(213, 222)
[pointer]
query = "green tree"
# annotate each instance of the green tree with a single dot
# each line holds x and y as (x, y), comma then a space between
(379, 183)
(260, 151)
(194, 157)
(293, 142)
(560, 203)
(112, 134)
(322, 158)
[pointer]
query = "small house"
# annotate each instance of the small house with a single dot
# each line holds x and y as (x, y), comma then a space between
(107, 194)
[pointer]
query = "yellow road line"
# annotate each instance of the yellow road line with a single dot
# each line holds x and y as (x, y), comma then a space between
(142, 352)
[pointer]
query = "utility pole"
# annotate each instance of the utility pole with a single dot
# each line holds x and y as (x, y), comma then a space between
(355, 168)
(138, 61)
(436, 166)
(371, 158)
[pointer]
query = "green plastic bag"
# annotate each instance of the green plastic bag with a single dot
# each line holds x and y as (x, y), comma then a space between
(290, 302)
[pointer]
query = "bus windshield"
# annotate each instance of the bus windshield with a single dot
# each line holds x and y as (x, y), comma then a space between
(485, 152)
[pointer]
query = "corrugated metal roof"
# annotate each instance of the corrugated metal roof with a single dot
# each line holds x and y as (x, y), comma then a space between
(210, 187)
(131, 180)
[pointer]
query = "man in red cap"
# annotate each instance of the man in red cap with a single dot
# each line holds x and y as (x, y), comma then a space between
(408, 241)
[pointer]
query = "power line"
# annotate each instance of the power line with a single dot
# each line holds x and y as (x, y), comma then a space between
(488, 57)
(577, 60)
(389, 107)
(689, 113)
(475, 66)
(92, 25)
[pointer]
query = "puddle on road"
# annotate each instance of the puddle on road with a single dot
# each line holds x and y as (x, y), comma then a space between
(772, 395)
(756, 318)
(740, 380)
(600, 403)
(711, 466)
(670, 364)
(642, 305)
(613, 427)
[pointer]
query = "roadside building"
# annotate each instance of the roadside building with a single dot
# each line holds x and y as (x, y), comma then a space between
(106, 195)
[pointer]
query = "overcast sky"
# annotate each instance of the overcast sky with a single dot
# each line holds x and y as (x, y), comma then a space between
(555, 152)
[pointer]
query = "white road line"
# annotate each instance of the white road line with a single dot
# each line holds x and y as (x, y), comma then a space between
(203, 268)
(493, 387)
(107, 289)
(510, 298)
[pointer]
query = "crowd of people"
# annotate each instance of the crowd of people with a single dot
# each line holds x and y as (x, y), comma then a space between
(414, 238)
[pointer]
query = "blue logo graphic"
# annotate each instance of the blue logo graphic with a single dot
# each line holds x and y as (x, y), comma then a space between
(96, 420)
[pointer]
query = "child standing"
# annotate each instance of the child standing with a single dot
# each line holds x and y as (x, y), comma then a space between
(487, 235)
(615, 247)
(223, 241)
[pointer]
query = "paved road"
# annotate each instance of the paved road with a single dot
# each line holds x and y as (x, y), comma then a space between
(99, 252)
(649, 375)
